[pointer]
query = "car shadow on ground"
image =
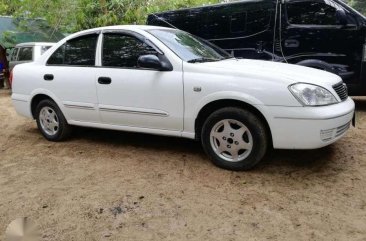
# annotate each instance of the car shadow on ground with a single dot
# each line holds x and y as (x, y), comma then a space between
(294, 159)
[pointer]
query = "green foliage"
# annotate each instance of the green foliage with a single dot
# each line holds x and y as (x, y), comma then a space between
(75, 15)
(359, 5)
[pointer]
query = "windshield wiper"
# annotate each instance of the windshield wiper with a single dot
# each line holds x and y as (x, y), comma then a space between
(202, 60)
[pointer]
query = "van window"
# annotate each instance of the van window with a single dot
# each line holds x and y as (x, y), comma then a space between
(14, 54)
(44, 49)
(238, 22)
(25, 54)
(76, 52)
(218, 24)
(257, 21)
(311, 13)
(123, 50)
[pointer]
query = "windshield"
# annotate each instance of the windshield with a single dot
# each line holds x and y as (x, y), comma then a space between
(188, 47)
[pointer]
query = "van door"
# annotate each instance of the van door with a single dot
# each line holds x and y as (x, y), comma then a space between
(324, 35)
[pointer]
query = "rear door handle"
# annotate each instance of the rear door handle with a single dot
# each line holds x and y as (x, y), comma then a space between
(48, 77)
(104, 80)
(292, 43)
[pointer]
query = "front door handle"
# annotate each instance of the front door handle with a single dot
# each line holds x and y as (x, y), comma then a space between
(48, 77)
(104, 80)
(292, 43)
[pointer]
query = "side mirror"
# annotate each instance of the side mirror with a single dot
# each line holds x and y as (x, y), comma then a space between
(149, 62)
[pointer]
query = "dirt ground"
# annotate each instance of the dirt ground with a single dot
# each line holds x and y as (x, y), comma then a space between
(104, 185)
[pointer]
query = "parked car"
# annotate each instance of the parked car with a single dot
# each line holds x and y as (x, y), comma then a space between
(164, 81)
(323, 34)
(27, 52)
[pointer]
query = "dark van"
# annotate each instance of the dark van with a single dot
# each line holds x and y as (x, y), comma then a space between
(323, 34)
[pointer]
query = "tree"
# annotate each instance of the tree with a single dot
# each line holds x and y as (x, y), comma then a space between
(75, 15)
(360, 5)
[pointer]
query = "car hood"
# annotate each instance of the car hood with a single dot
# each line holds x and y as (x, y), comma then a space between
(286, 73)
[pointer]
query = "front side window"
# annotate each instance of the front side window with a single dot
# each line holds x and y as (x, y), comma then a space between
(25, 54)
(311, 13)
(120, 50)
(76, 52)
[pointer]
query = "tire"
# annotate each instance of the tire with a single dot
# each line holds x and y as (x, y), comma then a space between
(235, 139)
(51, 122)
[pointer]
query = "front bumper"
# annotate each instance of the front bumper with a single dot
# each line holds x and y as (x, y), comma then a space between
(310, 127)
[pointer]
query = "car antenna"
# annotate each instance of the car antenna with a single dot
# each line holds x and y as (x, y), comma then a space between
(163, 20)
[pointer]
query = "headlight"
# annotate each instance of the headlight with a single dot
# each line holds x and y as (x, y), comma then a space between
(312, 95)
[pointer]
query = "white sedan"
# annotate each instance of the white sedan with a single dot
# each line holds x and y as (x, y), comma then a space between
(167, 82)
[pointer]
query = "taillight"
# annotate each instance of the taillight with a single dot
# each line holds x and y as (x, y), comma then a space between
(11, 79)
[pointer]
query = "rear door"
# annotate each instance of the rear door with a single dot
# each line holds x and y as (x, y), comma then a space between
(70, 75)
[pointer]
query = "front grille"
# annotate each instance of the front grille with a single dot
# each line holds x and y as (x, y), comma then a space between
(341, 90)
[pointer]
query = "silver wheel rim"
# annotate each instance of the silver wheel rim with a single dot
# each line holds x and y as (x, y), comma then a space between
(49, 121)
(231, 140)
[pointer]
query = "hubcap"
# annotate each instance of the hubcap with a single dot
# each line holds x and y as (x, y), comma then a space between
(49, 121)
(231, 140)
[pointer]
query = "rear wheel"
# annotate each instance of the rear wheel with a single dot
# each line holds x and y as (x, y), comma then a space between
(51, 122)
(235, 139)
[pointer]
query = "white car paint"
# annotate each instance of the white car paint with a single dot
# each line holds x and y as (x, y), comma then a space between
(168, 103)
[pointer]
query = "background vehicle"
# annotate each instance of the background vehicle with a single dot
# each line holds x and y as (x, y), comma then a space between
(27, 52)
(165, 81)
(323, 34)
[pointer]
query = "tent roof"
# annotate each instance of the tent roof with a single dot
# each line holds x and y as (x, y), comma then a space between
(14, 31)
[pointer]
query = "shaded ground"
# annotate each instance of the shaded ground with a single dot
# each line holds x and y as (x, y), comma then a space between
(104, 185)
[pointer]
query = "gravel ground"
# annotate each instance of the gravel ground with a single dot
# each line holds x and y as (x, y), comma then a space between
(104, 185)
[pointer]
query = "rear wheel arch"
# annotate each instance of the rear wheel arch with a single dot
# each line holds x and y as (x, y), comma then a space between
(36, 100)
(211, 107)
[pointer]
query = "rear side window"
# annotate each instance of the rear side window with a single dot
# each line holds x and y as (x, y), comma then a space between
(76, 52)
(311, 13)
(123, 51)
(25, 54)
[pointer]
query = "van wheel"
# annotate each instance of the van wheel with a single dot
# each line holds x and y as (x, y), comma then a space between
(51, 122)
(234, 139)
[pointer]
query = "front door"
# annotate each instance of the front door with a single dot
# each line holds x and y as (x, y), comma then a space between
(324, 35)
(134, 97)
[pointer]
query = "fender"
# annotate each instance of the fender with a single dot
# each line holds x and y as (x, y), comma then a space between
(192, 113)
(52, 96)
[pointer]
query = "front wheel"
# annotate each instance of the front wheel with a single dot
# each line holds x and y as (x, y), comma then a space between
(234, 139)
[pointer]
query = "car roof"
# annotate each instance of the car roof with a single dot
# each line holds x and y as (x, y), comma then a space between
(117, 27)
(31, 44)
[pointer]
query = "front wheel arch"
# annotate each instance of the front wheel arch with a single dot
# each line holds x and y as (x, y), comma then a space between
(211, 107)
(318, 64)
